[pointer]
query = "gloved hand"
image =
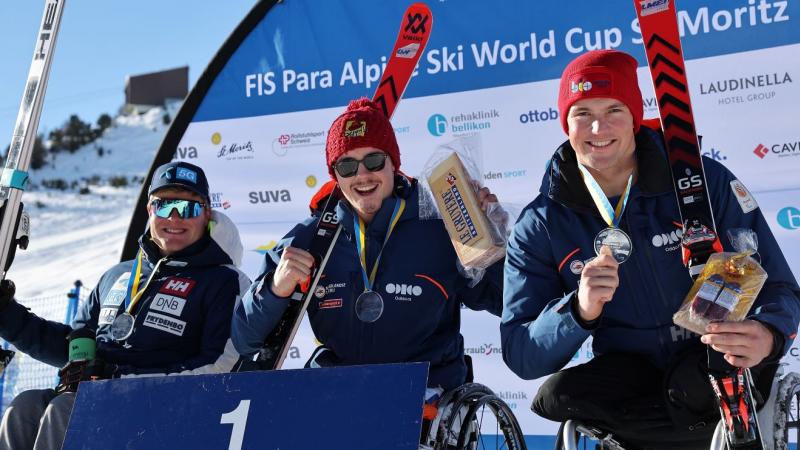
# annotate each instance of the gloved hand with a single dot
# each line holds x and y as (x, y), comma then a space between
(7, 291)
(98, 369)
(76, 371)
(70, 375)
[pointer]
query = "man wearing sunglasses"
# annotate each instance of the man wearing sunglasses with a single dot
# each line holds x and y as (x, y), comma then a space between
(391, 291)
(167, 312)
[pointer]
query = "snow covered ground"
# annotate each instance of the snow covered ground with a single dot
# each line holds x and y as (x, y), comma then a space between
(79, 236)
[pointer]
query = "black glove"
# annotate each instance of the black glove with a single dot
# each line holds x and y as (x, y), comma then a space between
(7, 291)
(82, 370)
(98, 369)
(70, 375)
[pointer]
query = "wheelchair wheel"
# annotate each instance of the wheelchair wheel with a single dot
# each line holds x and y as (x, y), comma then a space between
(787, 411)
(573, 435)
(473, 418)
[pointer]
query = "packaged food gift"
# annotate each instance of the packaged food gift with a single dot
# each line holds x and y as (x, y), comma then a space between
(726, 288)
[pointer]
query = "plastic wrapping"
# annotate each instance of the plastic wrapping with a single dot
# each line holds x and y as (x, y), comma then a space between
(727, 286)
(455, 170)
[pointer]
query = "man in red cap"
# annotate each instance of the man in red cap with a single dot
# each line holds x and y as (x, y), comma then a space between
(594, 255)
(391, 291)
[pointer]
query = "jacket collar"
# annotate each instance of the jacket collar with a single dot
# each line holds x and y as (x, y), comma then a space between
(204, 252)
(563, 183)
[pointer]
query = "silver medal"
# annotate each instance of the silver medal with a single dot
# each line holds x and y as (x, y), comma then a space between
(122, 326)
(369, 306)
(620, 243)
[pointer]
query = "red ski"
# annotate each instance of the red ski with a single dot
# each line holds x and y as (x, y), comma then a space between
(659, 24)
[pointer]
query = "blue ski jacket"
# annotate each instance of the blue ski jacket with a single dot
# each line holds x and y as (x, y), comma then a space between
(553, 239)
(417, 278)
(182, 319)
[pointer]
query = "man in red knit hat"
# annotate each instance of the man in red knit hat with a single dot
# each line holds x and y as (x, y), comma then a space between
(586, 258)
(391, 290)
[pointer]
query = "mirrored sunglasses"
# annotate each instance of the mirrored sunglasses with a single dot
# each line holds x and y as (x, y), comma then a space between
(347, 167)
(186, 209)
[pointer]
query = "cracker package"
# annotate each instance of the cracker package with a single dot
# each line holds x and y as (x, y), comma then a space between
(726, 288)
(476, 241)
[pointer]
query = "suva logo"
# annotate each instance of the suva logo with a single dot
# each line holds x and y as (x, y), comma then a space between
(437, 125)
(270, 196)
(789, 218)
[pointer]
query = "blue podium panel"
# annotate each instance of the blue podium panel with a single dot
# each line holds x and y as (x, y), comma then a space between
(359, 407)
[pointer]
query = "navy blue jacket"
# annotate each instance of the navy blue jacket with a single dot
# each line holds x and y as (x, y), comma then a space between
(553, 238)
(182, 320)
(417, 278)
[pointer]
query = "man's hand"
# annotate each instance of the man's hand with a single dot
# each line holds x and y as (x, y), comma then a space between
(485, 197)
(744, 344)
(599, 280)
(294, 268)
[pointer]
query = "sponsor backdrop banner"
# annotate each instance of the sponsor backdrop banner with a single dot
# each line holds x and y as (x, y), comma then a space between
(490, 69)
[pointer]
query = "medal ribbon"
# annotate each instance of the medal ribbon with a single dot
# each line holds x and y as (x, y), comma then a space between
(360, 226)
(132, 296)
(611, 215)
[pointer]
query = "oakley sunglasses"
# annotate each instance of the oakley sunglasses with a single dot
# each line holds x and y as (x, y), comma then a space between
(186, 209)
(348, 167)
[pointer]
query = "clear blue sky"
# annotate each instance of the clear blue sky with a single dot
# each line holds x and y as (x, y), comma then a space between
(102, 41)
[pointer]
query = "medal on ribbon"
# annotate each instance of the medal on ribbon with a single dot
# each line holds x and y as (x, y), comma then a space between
(617, 240)
(369, 304)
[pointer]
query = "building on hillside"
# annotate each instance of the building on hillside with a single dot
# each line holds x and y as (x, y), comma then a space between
(147, 90)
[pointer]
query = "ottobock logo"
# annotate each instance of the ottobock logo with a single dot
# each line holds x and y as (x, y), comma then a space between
(403, 292)
(670, 241)
(653, 6)
(789, 218)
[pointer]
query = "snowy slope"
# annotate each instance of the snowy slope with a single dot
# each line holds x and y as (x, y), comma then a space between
(75, 236)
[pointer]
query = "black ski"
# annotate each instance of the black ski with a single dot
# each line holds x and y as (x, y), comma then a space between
(414, 32)
(659, 25)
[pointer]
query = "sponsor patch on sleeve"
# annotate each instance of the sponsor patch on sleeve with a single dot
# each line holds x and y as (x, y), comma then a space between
(331, 303)
(743, 196)
(107, 316)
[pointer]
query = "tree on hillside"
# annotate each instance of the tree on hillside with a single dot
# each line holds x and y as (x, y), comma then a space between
(103, 122)
(71, 136)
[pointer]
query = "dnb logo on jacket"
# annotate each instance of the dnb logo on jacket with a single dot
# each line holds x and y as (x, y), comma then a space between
(168, 304)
